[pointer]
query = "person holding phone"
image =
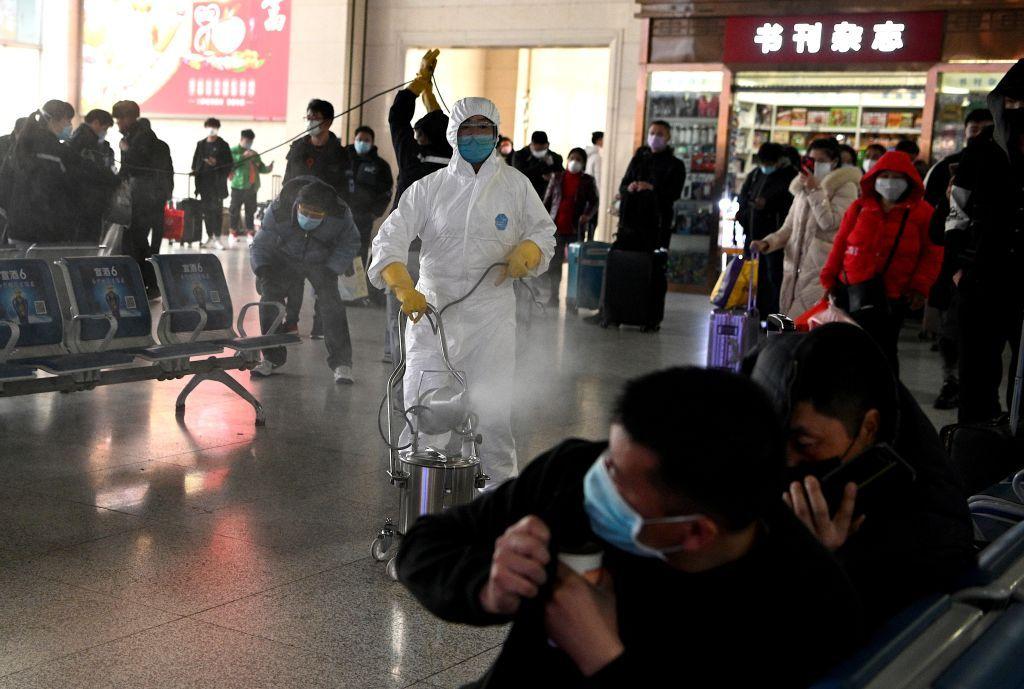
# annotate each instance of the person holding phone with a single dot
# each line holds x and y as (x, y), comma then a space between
(821, 194)
(900, 537)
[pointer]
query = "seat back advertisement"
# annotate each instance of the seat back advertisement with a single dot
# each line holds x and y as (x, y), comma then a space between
(110, 286)
(196, 281)
(27, 299)
(186, 58)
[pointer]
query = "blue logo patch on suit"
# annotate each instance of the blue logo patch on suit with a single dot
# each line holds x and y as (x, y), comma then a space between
(500, 221)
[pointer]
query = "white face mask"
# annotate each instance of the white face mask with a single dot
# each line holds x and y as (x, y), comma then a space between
(538, 154)
(575, 167)
(869, 163)
(891, 188)
(102, 136)
(315, 127)
(211, 132)
(821, 170)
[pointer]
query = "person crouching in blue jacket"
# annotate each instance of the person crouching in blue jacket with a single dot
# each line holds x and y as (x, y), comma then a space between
(307, 233)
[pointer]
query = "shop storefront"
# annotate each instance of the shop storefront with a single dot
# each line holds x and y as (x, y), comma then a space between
(727, 84)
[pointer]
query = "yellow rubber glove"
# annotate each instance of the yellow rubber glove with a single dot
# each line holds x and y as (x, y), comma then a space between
(429, 100)
(428, 64)
(524, 258)
(397, 277)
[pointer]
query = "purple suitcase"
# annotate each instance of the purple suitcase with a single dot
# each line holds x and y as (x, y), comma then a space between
(733, 333)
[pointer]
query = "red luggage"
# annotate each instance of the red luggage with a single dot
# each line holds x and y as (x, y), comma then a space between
(174, 224)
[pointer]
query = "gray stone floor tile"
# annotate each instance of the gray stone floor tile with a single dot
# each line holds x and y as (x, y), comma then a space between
(170, 568)
(465, 672)
(357, 611)
(186, 653)
(42, 619)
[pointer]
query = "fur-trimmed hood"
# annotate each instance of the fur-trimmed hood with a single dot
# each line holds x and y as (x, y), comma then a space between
(833, 181)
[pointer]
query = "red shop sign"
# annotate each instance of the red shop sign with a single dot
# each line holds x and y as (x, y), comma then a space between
(835, 39)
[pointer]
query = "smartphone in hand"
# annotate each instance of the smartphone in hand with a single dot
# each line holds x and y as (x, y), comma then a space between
(881, 475)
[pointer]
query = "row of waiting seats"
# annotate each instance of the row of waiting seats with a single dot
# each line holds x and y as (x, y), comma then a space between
(973, 639)
(85, 321)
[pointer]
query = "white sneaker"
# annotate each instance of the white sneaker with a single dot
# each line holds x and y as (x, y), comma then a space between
(264, 369)
(217, 245)
(249, 239)
(343, 375)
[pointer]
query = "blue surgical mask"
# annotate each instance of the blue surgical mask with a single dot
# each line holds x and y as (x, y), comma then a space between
(362, 147)
(65, 133)
(476, 148)
(307, 223)
(615, 521)
(768, 169)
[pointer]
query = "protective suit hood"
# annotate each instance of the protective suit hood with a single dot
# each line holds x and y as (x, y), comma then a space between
(1012, 84)
(462, 111)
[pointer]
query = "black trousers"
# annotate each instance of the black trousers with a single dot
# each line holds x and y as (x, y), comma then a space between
(147, 217)
(274, 286)
(987, 326)
(562, 242)
(213, 215)
(884, 328)
(240, 198)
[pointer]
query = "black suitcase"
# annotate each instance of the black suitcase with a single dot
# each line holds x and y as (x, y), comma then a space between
(634, 289)
(986, 452)
(193, 229)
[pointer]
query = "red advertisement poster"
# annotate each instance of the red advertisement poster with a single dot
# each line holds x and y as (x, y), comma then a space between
(835, 39)
(190, 58)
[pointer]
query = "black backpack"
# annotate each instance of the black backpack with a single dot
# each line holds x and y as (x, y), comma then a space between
(162, 162)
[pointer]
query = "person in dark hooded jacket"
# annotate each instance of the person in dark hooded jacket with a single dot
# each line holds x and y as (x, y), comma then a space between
(764, 202)
(307, 234)
(840, 402)
(211, 165)
(43, 203)
(885, 234)
(985, 237)
(146, 165)
(421, 149)
(95, 180)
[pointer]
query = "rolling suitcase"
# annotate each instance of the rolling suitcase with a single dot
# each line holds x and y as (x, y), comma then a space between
(986, 452)
(734, 332)
(634, 289)
(192, 226)
(587, 261)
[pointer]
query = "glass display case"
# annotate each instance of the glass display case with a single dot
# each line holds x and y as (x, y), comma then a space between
(958, 93)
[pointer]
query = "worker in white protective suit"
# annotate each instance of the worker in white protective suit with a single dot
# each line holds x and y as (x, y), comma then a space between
(474, 213)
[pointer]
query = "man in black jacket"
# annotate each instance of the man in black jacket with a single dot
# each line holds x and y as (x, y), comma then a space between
(421, 149)
(985, 238)
(764, 202)
(705, 580)
(943, 297)
(654, 180)
(317, 154)
(368, 184)
(211, 165)
(841, 402)
(144, 163)
(95, 179)
(538, 162)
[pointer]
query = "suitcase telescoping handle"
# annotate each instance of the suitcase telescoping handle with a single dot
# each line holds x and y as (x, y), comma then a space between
(752, 284)
(1018, 390)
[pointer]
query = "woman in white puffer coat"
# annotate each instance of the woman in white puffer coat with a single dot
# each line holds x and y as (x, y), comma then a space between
(819, 203)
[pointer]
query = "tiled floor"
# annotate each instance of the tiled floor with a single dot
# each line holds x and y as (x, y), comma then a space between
(137, 551)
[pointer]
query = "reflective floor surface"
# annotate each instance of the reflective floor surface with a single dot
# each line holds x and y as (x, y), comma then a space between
(137, 551)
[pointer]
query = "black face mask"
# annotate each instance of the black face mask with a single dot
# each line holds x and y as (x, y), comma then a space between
(818, 470)
(1014, 120)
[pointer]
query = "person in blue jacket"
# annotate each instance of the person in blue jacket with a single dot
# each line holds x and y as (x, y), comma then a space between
(307, 233)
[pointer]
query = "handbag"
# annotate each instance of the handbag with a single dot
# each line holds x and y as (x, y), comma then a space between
(736, 283)
(870, 293)
(119, 211)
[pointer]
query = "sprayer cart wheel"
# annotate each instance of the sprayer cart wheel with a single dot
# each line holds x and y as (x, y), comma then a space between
(380, 547)
(392, 568)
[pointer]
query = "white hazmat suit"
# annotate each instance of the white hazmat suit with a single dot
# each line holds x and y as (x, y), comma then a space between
(468, 221)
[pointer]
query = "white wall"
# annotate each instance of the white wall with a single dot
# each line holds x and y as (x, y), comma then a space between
(397, 25)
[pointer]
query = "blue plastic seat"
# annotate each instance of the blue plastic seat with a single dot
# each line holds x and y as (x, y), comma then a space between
(995, 660)
(176, 351)
(67, 364)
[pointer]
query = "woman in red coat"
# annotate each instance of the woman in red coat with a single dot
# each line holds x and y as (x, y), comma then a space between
(571, 199)
(885, 234)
